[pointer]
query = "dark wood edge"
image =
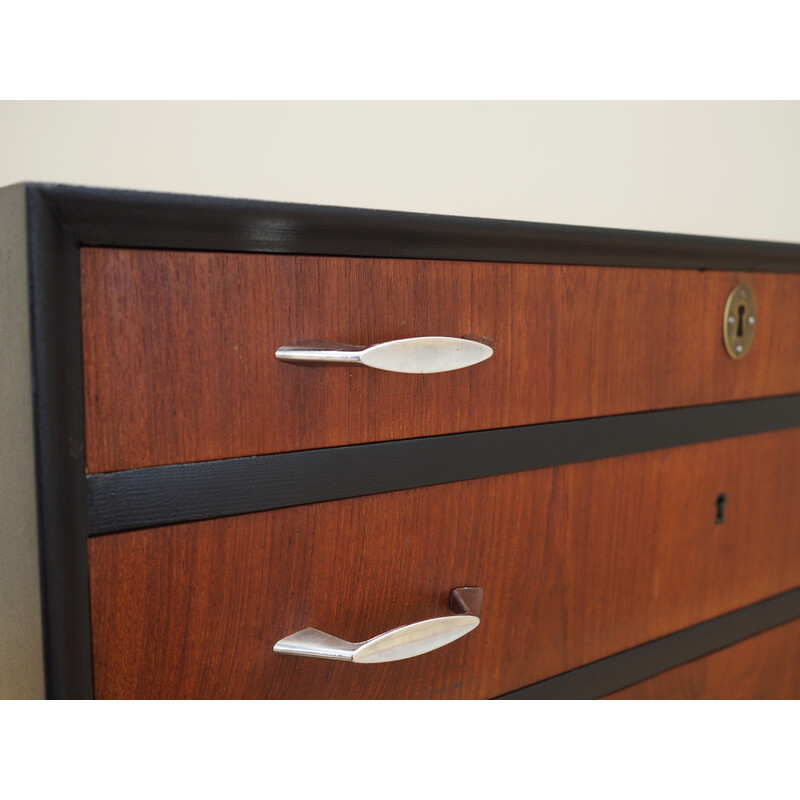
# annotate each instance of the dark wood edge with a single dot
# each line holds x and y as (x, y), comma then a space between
(611, 674)
(54, 302)
(114, 218)
(153, 496)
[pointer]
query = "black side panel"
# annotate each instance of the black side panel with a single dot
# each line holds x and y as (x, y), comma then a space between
(106, 217)
(58, 425)
(143, 498)
(611, 674)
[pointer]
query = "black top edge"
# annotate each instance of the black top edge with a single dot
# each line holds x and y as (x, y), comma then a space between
(120, 218)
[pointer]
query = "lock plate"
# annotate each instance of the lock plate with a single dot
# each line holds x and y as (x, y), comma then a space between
(739, 321)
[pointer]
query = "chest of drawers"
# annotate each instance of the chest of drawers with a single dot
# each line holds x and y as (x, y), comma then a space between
(594, 493)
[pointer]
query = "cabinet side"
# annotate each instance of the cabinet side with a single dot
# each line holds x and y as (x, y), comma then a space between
(21, 644)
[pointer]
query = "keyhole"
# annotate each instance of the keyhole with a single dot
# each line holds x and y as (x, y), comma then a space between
(720, 502)
(740, 329)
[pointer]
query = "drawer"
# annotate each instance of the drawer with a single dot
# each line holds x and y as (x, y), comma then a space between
(179, 364)
(577, 562)
(764, 667)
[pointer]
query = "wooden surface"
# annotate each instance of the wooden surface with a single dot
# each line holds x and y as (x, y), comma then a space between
(179, 348)
(764, 667)
(577, 562)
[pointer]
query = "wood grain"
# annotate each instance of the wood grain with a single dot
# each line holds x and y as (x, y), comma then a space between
(578, 562)
(764, 667)
(179, 348)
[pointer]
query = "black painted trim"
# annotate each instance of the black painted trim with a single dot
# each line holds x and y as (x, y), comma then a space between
(113, 218)
(154, 496)
(54, 300)
(616, 672)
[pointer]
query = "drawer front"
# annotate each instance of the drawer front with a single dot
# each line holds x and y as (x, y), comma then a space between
(179, 347)
(577, 562)
(764, 667)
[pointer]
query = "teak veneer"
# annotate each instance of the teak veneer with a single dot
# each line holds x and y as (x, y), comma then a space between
(179, 349)
(577, 562)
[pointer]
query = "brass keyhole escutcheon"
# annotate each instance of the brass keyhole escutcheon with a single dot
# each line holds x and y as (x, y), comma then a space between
(739, 321)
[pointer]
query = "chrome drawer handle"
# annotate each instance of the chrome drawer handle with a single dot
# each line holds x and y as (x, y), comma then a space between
(423, 354)
(397, 644)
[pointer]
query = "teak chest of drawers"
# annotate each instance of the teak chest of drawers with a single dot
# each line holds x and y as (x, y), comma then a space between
(574, 490)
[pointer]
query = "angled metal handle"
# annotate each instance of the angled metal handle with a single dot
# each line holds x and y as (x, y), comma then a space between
(397, 644)
(423, 354)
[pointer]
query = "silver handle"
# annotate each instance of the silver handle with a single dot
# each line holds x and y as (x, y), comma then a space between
(423, 354)
(397, 644)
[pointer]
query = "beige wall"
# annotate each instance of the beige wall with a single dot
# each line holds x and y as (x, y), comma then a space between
(730, 169)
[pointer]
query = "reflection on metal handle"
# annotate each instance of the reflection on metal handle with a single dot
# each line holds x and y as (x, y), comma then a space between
(395, 645)
(422, 354)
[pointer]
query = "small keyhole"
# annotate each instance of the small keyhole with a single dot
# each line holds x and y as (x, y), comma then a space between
(720, 502)
(740, 328)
